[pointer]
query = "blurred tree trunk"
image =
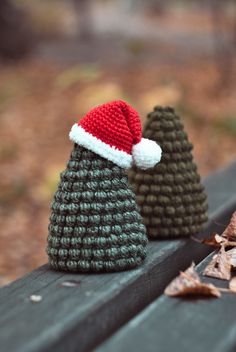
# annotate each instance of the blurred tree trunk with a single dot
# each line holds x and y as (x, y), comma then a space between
(157, 7)
(16, 36)
(224, 41)
(85, 25)
(234, 29)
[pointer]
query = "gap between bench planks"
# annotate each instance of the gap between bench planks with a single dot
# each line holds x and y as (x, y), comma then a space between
(79, 318)
(181, 324)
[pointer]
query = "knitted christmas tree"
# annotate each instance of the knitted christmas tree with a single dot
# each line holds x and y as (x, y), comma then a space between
(170, 195)
(95, 223)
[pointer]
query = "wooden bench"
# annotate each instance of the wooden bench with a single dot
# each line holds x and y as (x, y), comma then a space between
(168, 324)
(84, 317)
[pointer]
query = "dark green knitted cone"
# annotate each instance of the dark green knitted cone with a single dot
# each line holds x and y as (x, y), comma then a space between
(95, 223)
(171, 196)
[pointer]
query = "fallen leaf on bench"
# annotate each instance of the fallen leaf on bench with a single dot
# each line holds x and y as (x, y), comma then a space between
(220, 266)
(36, 298)
(230, 231)
(232, 284)
(231, 254)
(215, 240)
(228, 237)
(71, 283)
(189, 283)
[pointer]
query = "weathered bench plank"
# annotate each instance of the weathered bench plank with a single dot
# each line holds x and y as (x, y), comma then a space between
(177, 324)
(219, 184)
(79, 318)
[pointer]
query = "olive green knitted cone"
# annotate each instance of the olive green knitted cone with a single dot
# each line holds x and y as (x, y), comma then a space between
(95, 223)
(171, 196)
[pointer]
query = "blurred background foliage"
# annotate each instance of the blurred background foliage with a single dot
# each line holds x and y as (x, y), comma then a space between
(59, 58)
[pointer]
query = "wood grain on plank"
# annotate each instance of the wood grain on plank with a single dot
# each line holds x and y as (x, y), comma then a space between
(181, 324)
(78, 318)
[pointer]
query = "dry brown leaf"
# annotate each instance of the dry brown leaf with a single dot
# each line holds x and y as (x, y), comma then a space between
(230, 231)
(219, 239)
(220, 266)
(189, 283)
(231, 254)
(215, 240)
(232, 284)
(228, 243)
(228, 237)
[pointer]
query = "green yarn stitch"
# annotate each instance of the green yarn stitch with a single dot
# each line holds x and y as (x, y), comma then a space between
(95, 223)
(170, 195)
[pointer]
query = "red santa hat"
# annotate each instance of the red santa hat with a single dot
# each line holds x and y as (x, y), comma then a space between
(114, 131)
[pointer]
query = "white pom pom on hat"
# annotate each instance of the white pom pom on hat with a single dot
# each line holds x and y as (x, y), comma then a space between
(146, 154)
(114, 131)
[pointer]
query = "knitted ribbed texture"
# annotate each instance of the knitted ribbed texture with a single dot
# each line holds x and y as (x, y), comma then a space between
(171, 196)
(113, 131)
(115, 123)
(95, 223)
(109, 130)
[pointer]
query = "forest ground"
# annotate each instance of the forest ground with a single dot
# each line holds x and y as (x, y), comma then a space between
(41, 97)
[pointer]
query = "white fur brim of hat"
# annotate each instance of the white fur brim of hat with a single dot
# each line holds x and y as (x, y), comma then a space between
(145, 154)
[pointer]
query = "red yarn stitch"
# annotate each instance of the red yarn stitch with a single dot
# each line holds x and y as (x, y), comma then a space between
(116, 124)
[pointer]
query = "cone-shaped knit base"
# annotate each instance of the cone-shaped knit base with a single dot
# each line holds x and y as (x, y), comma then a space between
(171, 197)
(95, 223)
